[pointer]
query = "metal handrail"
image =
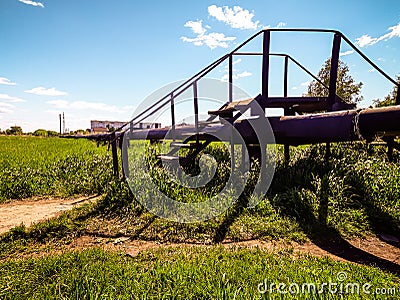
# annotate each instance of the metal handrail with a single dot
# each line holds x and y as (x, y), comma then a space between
(199, 75)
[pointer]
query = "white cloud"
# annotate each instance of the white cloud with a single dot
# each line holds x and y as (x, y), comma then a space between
(302, 86)
(346, 53)
(6, 108)
(371, 70)
(6, 81)
(244, 74)
(10, 98)
(235, 62)
(367, 40)
(236, 17)
(33, 3)
(41, 91)
(211, 40)
(85, 105)
(281, 24)
(196, 26)
(235, 75)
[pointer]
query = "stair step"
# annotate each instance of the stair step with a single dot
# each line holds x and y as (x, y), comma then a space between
(201, 134)
(183, 145)
(166, 157)
(223, 113)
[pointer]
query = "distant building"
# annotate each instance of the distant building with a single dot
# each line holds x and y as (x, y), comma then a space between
(97, 126)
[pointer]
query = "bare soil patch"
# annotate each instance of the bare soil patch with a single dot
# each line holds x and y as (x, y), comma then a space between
(33, 210)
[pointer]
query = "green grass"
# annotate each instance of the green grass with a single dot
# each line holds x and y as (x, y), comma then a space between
(34, 166)
(356, 194)
(182, 273)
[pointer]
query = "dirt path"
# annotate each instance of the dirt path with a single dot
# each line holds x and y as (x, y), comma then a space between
(382, 250)
(32, 211)
(371, 245)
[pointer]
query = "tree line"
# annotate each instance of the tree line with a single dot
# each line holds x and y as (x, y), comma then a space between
(17, 130)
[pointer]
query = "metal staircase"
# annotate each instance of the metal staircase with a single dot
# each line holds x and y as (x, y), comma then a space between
(196, 137)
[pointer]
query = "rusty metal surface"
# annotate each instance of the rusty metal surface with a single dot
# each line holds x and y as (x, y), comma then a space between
(337, 126)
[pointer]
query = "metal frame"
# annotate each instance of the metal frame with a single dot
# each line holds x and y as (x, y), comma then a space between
(338, 37)
(267, 37)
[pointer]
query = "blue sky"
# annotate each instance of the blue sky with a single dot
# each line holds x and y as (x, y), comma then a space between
(96, 59)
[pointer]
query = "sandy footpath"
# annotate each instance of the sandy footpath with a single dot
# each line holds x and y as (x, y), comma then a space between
(32, 211)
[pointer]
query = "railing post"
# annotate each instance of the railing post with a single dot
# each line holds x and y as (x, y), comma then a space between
(173, 116)
(286, 111)
(285, 78)
(196, 110)
(265, 63)
(334, 70)
(230, 62)
(124, 155)
(230, 70)
(114, 153)
(398, 95)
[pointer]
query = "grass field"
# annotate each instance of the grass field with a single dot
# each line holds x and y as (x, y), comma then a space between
(356, 194)
(34, 166)
(190, 273)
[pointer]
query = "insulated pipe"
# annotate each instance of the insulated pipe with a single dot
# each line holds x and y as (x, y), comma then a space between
(339, 126)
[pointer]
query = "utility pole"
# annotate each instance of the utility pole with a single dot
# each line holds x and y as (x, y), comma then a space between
(63, 122)
(60, 124)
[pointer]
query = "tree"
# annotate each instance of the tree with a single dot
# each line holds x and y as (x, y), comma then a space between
(40, 132)
(390, 99)
(346, 87)
(14, 130)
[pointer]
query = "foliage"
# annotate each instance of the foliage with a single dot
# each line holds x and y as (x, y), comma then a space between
(390, 99)
(353, 195)
(356, 193)
(14, 130)
(185, 273)
(347, 88)
(45, 133)
(31, 166)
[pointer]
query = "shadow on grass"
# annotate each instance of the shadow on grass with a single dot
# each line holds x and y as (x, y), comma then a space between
(289, 180)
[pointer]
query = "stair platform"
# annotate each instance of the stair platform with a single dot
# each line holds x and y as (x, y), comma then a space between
(297, 104)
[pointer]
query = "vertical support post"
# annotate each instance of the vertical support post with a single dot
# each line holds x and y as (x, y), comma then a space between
(230, 69)
(131, 127)
(286, 111)
(230, 62)
(390, 144)
(328, 151)
(196, 111)
(173, 116)
(334, 70)
(114, 153)
(265, 63)
(391, 141)
(285, 78)
(124, 155)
